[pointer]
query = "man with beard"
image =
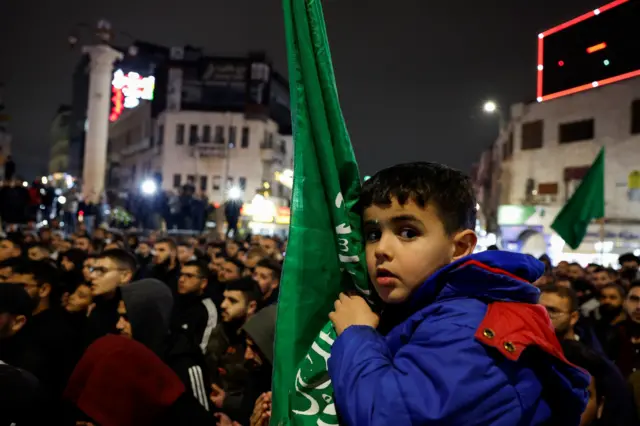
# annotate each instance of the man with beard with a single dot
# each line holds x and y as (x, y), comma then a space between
(562, 305)
(224, 354)
(47, 332)
(609, 314)
(259, 334)
(624, 347)
(165, 264)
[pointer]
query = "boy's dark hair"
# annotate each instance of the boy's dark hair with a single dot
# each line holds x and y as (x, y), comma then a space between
(122, 258)
(275, 267)
(448, 190)
(248, 287)
(565, 293)
(203, 271)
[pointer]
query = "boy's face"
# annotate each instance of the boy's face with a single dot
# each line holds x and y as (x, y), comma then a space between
(406, 244)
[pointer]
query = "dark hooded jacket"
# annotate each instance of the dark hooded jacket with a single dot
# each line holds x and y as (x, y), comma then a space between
(120, 382)
(474, 347)
(149, 304)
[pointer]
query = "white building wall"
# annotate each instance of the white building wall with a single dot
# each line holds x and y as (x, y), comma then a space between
(254, 163)
(610, 107)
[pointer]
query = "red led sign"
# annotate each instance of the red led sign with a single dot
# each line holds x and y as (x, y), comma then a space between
(586, 72)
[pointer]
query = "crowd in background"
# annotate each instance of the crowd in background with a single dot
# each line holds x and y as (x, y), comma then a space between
(112, 329)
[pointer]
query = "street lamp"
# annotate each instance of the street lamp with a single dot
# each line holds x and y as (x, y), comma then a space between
(149, 187)
(490, 107)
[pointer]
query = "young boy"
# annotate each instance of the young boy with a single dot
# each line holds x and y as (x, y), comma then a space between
(468, 344)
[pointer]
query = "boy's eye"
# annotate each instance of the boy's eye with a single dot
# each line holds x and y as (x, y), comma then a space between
(372, 235)
(408, 233)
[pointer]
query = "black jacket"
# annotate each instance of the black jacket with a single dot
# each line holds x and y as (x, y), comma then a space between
(195, 315)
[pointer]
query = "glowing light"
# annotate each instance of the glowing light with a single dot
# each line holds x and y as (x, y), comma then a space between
(128, 89)
(62, 199)
(594, 84)
(597, 47)
(366, 178)
(596, 12)
(490, 107)
(235, 193)
(540, 67)
(539, 99)
(561, 63)
(149, 187)
(590, 85)
(606, 62)
(25, 183)
(44, 180)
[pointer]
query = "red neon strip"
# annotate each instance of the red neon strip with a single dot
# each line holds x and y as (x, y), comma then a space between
(597, 47)
(590, 85)
(582, 17)
(540, 62)
(562, 27)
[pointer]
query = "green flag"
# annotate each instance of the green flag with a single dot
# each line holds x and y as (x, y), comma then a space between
(324, 253)
(586, 204)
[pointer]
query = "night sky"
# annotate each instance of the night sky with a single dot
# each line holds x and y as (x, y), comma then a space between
(412, 74)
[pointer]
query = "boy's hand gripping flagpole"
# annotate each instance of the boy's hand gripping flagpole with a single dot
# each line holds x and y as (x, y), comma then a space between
(325, 249)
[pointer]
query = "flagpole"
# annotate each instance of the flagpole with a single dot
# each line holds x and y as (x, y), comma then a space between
(602, 237)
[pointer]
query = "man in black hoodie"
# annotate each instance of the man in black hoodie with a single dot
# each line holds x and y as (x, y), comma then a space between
(194, 312)
(145, 311)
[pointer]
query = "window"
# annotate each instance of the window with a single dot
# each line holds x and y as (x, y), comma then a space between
(219, 136)
(160, 135)
(576, 131)
(242, 183)
(507, 147)
(180, 134)
(229, 182)
(193, 134)
(206, 134)
(283, 147)
(245, 138)
(232, 136)
(635, 117)
(216, 183)
(532, 134)
(191, 179)
(203, 183)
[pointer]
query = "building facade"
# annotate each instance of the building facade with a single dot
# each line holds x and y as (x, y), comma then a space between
(183, 146)
(541, 157)
(60, 128)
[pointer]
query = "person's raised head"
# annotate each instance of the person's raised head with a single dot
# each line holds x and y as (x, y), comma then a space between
(241, 299)
(112, 269)
(418, 217)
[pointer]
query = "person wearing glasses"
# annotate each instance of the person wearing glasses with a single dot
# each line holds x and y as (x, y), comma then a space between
(194, 312)
(111, 270)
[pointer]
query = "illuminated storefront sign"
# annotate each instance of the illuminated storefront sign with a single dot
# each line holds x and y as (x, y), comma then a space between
(128, 89)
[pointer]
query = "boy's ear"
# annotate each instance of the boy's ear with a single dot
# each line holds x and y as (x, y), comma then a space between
(464, 243)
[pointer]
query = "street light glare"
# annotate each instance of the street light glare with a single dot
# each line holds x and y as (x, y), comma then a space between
(234, 193)
(490, 107)
(149, 187)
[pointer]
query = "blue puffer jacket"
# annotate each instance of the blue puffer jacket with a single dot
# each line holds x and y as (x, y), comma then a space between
(459, 357)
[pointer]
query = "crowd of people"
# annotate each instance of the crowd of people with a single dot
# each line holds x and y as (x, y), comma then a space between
(596, 314)
(109, 329)
(106, 329)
